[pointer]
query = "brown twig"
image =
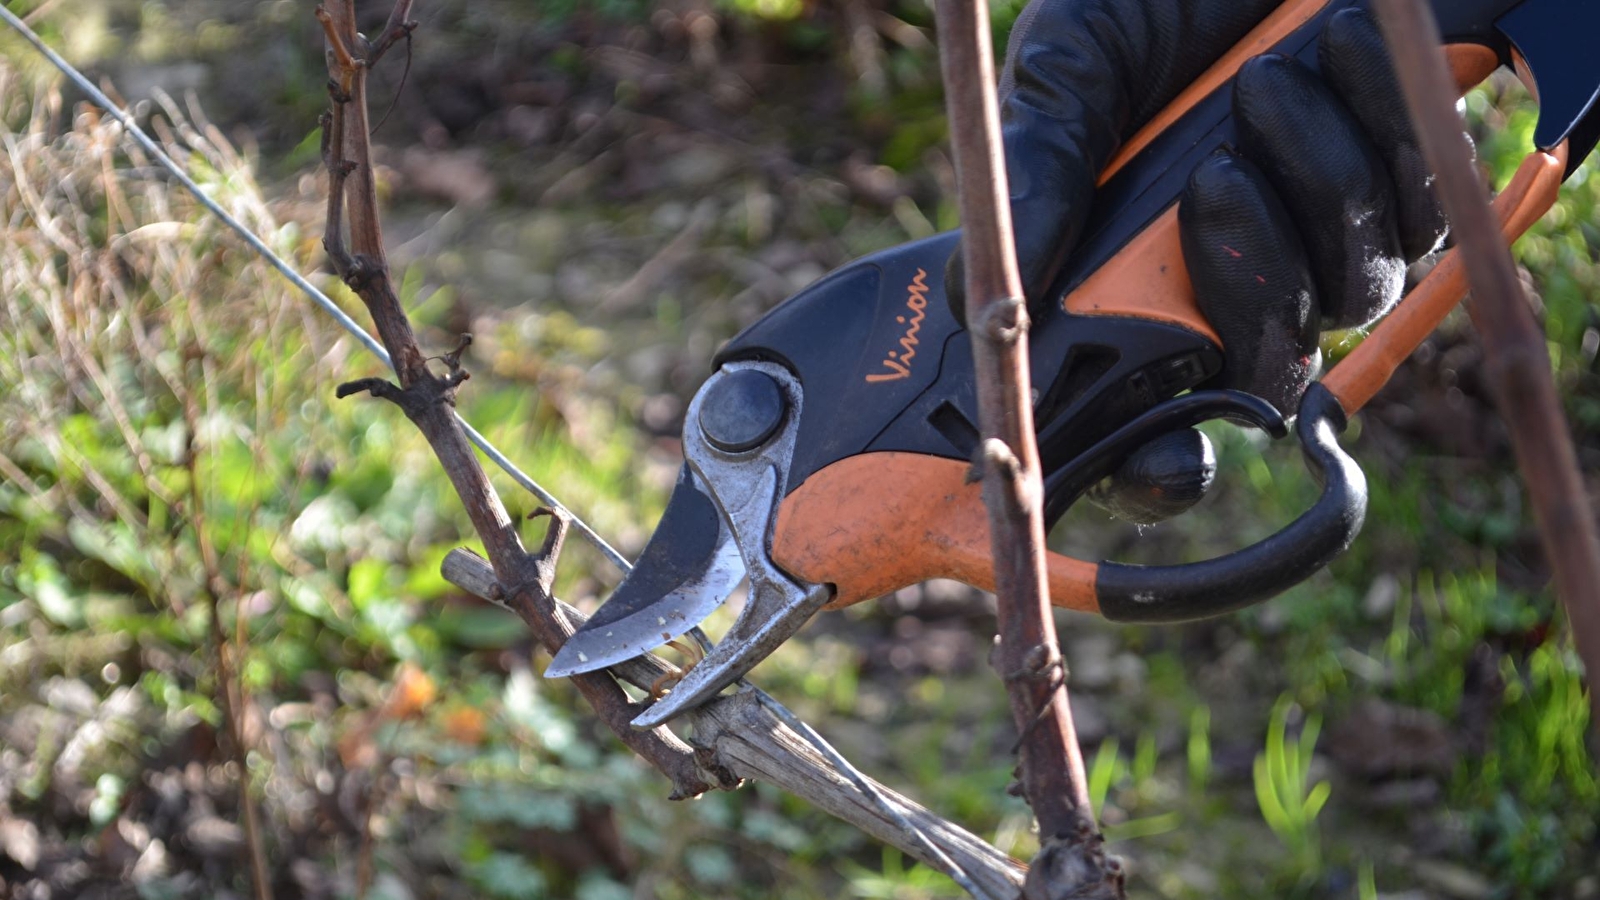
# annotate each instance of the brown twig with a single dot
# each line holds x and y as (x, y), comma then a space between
(428, 400)
(398, 27)
(1517, 360)
(1072, 862)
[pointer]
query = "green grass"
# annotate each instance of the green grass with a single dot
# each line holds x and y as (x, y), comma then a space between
(1289, 802)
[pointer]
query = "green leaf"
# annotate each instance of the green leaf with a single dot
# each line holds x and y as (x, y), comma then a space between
(424, 581)
(1149, 826)
(114, 544)
(1199, 748)
(483, 627)
(709, 864)
(366, 582)
(308, 599)
(520, 806)
(41, 580)
(509, 876)
(1267, 798)
(1317, 799)
(1102, 772)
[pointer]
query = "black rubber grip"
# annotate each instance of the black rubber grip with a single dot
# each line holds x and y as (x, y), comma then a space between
(1246, 577)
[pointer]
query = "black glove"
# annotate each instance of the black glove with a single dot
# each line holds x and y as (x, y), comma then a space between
(1311, 225)
(1308, 225)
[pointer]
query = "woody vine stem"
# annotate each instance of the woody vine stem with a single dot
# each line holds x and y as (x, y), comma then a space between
(427, 398)
(1072, 861)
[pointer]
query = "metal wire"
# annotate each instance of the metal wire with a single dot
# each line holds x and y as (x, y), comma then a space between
(895, 814)
(853, 774)
(295, 278)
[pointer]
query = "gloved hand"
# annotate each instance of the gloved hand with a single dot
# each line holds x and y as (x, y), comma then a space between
(1308, 224)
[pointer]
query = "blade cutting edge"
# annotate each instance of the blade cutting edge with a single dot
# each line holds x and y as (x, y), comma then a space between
(649, 628)
(690, 566)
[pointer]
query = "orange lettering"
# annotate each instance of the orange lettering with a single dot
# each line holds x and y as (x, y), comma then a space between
(898, 362)
(896, 373)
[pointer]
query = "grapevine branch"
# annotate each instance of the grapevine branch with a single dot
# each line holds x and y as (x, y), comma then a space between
(1072, 861)
(428, 399)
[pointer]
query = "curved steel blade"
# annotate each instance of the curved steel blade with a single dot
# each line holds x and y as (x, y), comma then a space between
(748, 488)
(777, 607)
(687, 570)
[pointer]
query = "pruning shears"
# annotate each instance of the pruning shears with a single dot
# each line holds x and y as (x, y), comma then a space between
(826, 456)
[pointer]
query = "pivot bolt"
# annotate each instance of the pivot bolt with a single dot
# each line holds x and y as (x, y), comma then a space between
(741, 411)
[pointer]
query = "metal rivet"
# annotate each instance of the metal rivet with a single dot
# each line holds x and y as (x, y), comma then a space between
(741, 411)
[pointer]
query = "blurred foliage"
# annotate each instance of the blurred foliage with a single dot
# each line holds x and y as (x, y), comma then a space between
(402, 744)
(1288, 801)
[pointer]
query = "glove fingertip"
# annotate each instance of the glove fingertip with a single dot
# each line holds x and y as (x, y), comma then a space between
(1252, 278)
(1355, 59)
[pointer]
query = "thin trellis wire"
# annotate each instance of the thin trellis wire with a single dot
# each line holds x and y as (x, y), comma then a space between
(865, 786)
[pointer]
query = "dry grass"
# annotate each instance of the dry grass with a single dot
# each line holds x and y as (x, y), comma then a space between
(147, 361)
